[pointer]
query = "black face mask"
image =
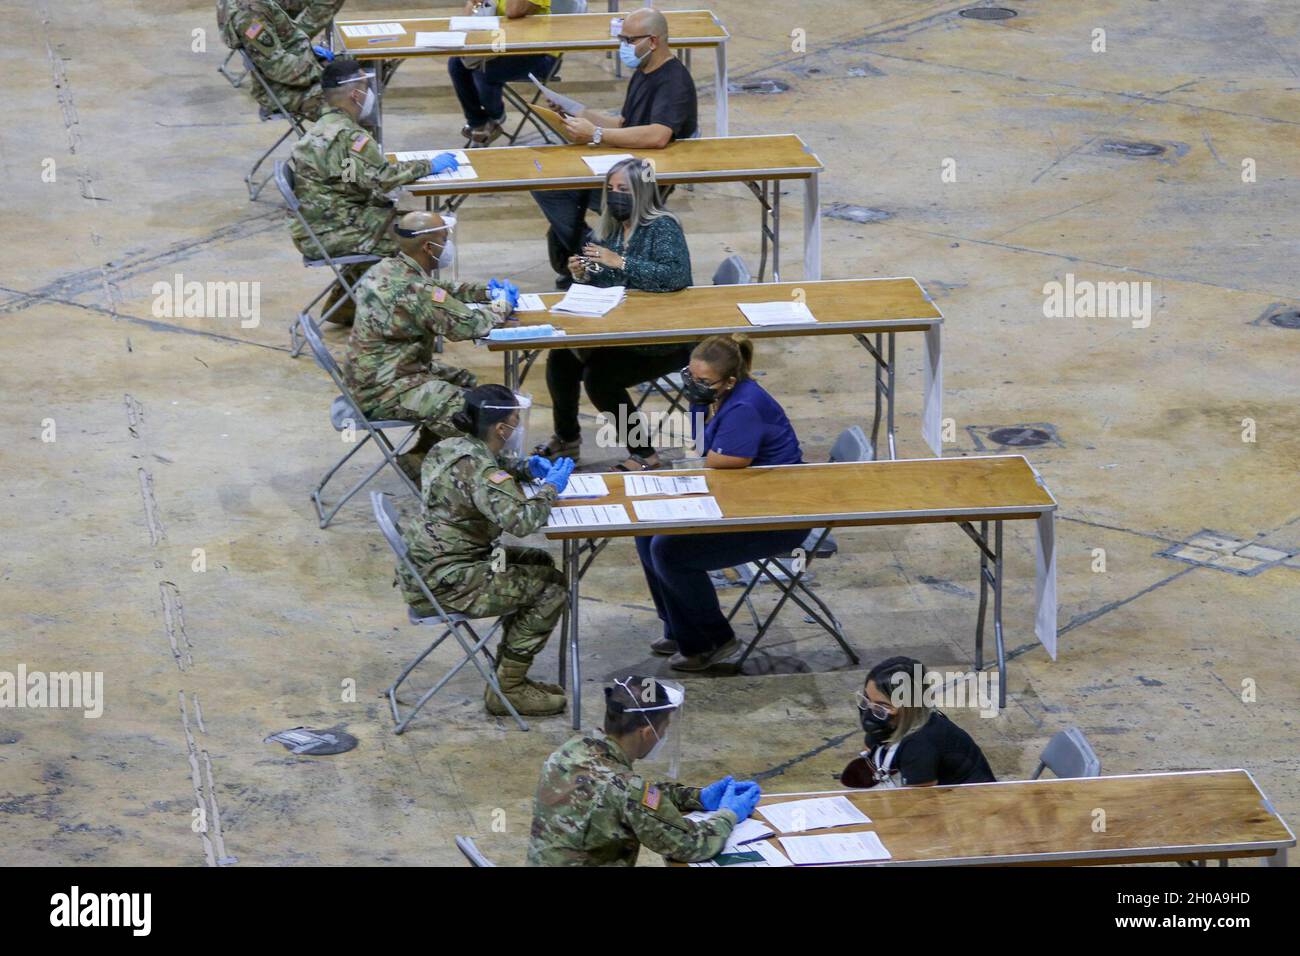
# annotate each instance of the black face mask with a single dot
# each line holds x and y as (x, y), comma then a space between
(697, 393)
(872, 724)
(620, 205)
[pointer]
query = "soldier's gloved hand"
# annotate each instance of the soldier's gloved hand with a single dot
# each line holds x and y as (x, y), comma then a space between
(710, 795)
(740, 802)
(559, 472)
(538, 466)
(323, 53)
(503, 296)
(443, 162)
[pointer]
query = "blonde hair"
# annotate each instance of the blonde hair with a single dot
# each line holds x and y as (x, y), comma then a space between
(731, 356)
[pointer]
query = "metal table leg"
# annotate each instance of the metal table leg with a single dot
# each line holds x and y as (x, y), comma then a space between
(720, 89)
(997, 615)
(889, 398)
(812, 228)
(776, 230)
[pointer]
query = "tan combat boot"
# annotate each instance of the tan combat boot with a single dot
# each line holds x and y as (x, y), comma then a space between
(528, 698)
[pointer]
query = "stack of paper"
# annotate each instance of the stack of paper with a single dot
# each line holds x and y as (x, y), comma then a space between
(582, 516)
(776, 313)
(566, 104)
(589, 300)
(373, 30)
(600, 165)
(530, 302)
(817, 813)
(463, 168)
(440, 38)
(474, 23)
(579, 486)
(678, 509)
(834, 848)
(636, 485)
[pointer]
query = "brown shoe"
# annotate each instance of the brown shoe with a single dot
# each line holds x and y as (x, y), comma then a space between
(557, 447)
(663, 647)
(527, 697)
(702, 662)
(484, 135)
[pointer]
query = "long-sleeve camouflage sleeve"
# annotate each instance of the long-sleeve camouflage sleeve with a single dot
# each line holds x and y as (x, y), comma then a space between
(462, 324)
(375, 173)
(684, 798)
(466, 291)
(498, 496)
(312, 16)
(660, 826)
(281, 51)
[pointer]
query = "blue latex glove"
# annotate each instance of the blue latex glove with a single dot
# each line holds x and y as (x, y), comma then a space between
(559, 472)
(710, 795)
(504, 289)
(443, 162)
(538, 466)
(324, 53)
(740, 802)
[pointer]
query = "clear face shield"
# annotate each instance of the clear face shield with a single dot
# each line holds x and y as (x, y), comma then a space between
(439, 234)
(517, 440)
(667, 750)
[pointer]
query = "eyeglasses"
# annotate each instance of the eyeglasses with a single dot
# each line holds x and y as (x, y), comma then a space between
(688, 377)
(626, 39)
(879, 711)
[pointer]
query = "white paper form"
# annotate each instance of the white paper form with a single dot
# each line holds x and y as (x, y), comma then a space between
(429, 154)
(474, 23)
(1045, 583)
(678, 509)
(746, 831)
(932, 403)
(530, 302)
(579, 486)
(816, 813)
(586, 516)
(771, 856)
(776, 313)
(634, 486)
(834, 848)
(440, 38)
(567, 104)
(600, 165)
(461, 172)
(589, 300)
(373, 30)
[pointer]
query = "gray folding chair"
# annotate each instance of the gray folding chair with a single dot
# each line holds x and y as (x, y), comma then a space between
(345, 414)
(457, 625)
(284, 181)
(295, 127)
(1068, 754)
(224, 69)
(471, 852)
(525, 106)
(732, 271)
(851, 445)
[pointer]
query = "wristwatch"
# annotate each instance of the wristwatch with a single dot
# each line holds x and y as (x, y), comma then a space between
(595, 137)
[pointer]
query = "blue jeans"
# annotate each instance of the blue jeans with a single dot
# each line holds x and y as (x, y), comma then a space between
(479, 90)
(677, 569)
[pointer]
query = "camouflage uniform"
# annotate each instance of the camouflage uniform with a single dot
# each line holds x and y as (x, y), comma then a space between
(341, 179)
(312, 16)
(593, 809)
(470, 498)
(281, 50)
(390, 367)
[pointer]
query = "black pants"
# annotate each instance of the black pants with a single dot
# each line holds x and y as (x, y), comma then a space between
(606, 373)
(566, 211)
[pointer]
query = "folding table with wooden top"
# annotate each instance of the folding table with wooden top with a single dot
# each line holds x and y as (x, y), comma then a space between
(762, 163)
(1185, 817)
(873, 311)
(965, 491)
(545, 33)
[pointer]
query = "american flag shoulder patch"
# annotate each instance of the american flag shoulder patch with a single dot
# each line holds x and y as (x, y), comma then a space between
(253, 31)
(498, 476)
(359, 142)
(652, 797)
(439, 294)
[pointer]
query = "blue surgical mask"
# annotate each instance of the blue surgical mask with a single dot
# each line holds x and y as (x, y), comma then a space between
(627, 54)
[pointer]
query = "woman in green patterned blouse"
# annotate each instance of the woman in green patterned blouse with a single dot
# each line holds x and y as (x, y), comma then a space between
(640, 245)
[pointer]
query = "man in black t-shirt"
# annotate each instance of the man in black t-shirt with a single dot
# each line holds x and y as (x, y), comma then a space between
(660, 106)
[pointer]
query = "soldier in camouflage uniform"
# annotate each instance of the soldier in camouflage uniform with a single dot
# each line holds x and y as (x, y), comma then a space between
(312, 16)
(593, 809)
(342, 179)
(470, 497)
(281, 49)
(401, 308)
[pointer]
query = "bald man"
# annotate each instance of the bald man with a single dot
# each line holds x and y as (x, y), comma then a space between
(401, 309)
(660, 106)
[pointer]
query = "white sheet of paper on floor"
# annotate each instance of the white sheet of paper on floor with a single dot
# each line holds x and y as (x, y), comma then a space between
(834, 848)
(770, 855)
(445, 39)
(634, 486)
(373, 30)
(776, 313)
(579, 486)
(815, 813)
(567, 104)
(530, 302)
(678, 509)
(474, 23)
(585, 516)
(589, 300)
(600, 165)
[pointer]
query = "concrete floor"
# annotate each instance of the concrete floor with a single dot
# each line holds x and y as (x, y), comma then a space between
(175, 434)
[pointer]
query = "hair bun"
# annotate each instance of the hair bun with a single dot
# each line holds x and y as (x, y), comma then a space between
(463, 422)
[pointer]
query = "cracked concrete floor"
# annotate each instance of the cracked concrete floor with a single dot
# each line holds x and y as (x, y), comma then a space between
(174, 434)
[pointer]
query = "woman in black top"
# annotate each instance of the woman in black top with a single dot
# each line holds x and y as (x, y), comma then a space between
(908, 743)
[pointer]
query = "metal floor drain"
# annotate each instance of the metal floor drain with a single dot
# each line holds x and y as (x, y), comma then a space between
(759, 86)
(1027, 435)
(850, 213)
(1222, 552)
(987, 13)
(1016, 437)
(1126, 148)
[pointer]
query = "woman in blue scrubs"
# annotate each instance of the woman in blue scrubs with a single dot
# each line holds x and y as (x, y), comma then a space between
(743, 426)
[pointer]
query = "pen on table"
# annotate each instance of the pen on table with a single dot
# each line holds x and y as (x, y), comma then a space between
(538, 164)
